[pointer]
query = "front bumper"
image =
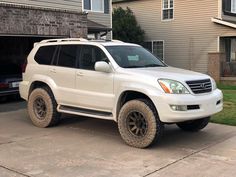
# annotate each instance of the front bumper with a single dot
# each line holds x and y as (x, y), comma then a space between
(207, 106)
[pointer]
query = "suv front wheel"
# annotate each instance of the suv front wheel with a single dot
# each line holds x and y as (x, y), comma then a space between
(42, 108)
(139, 124)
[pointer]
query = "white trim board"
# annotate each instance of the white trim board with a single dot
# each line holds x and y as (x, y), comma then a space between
(222, 22)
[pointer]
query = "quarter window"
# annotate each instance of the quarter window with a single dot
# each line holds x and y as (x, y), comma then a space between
(45, 55)
(167, 9)
(94, 5)
(67, 56)
(156, 47)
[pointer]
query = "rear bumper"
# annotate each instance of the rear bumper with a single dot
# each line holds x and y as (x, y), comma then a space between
(207, 106)
(24, 90)
(9, 92)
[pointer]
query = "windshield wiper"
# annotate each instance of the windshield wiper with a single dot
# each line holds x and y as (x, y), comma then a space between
(152, 65)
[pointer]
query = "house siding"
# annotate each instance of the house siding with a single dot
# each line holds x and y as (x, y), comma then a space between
(189, 37)
(72, 5)
(103, 18)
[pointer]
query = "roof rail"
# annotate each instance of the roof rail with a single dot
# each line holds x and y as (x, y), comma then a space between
(115, 40)
(63, 40)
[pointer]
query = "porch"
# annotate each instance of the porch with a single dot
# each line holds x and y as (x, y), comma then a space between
(222, 65)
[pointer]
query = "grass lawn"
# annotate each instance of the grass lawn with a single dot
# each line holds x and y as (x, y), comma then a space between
(228, 115)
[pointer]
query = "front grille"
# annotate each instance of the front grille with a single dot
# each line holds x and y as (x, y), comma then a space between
(200, 86)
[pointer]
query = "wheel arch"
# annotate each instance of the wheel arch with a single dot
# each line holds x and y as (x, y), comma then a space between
(129, 95)
(38, 84)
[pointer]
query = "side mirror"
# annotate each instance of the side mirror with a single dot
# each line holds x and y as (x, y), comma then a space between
(102, 66)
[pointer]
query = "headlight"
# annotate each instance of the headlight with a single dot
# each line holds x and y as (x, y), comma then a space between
(213, 82)
(174, 87)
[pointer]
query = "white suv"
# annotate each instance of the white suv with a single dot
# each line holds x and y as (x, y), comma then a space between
(115, 81)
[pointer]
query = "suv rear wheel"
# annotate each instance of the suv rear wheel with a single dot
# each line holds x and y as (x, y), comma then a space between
(42, 108)
(139, 124)
(194, 125)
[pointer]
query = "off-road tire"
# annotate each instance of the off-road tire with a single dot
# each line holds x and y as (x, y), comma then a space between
(194, 125)
(51, 117)
(154, 128)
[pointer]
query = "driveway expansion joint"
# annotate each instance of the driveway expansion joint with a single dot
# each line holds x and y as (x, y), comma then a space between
(189, 155)
(14, 171)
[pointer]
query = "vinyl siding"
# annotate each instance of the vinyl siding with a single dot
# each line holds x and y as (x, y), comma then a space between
(189, 37)
(73, 5)
(102, 18)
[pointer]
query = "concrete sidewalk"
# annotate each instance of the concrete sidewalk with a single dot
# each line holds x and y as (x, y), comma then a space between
(89, 147)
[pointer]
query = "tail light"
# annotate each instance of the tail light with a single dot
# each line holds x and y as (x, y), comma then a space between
(3, 85)
(23, 67)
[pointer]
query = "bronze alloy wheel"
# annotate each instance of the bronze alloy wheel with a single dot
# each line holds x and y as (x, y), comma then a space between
(40, 108)
(137, 124)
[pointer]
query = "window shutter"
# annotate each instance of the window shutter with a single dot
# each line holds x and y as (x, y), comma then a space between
(227, 5)
(106, 6)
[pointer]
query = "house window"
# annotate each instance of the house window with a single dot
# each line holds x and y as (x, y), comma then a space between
(94, 5)
(156, 47)
(229, 7)
(167, 9)
(233, 6)
(230, 49)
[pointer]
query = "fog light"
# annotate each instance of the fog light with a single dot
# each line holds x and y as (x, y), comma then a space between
(179, 107)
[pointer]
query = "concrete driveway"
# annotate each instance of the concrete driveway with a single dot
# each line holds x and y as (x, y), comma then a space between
(89, 147)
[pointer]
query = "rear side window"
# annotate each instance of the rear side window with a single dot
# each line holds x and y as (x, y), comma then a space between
(45, 55)
(68, 55)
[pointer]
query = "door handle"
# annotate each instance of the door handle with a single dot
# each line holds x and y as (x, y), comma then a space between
(52, 70)
(80, 74)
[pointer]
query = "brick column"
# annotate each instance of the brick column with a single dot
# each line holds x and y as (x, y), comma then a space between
(214, 65)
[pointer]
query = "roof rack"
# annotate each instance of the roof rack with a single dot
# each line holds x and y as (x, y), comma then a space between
(104, 40)
(63, 40)
(115, 40)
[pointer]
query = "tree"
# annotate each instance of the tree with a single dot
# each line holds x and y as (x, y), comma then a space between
(125, 26)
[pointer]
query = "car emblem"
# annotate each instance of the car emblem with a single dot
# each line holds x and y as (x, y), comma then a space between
(203, 86)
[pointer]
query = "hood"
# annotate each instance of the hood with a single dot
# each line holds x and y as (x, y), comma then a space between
(167, 73)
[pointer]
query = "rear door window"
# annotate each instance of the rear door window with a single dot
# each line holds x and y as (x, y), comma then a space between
(68, 56)
(45, 55)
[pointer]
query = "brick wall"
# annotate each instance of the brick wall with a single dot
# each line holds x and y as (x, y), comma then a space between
(214, 65)
(24, 20)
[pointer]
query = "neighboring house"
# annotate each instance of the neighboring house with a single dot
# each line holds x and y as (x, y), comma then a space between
(99, 17)
(23, 22)
(196, 35)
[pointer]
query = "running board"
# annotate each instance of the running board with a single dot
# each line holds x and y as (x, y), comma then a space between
(85, 112)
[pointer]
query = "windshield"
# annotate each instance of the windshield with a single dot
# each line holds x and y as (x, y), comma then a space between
(133, 57)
